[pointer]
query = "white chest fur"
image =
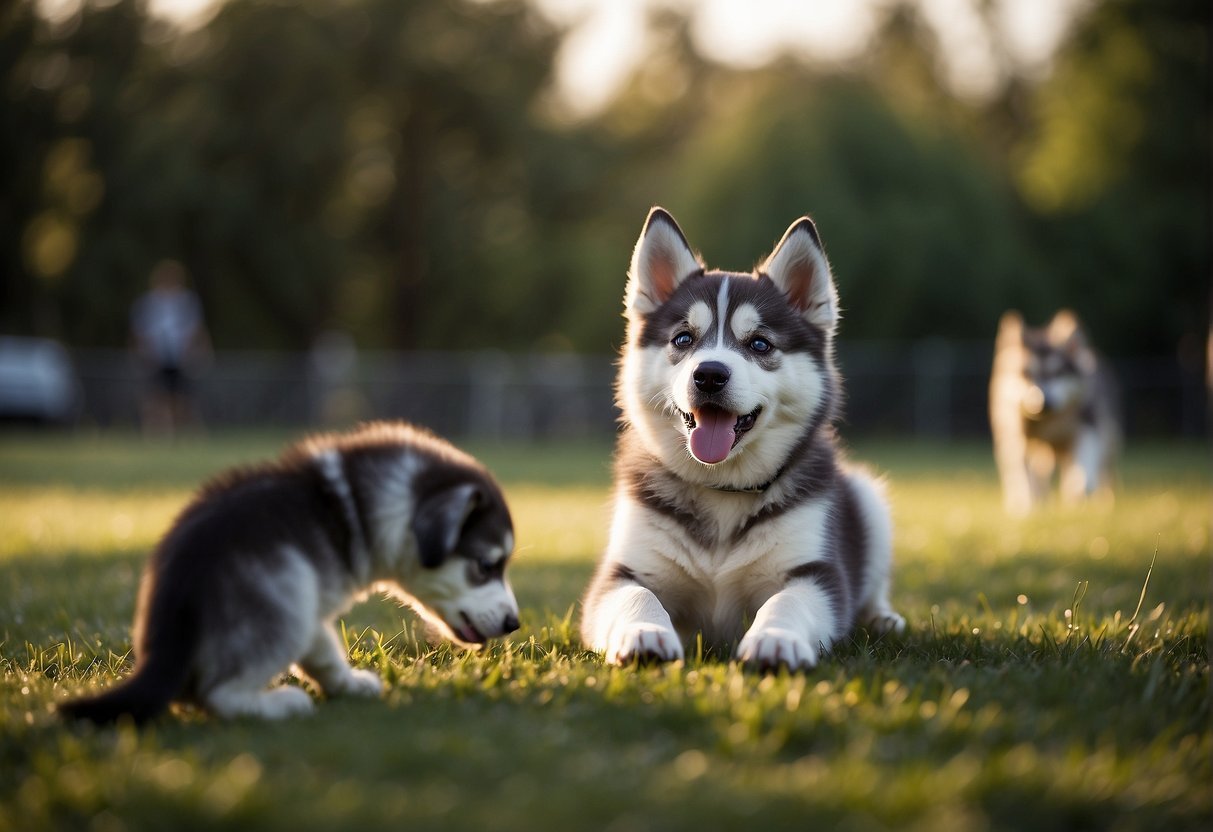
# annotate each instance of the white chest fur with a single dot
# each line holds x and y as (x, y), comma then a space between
(716, 588)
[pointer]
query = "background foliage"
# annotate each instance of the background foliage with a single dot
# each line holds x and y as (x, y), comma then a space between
(399, 170)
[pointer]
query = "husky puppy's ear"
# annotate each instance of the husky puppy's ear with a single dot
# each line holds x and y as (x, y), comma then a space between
(1066, 332)
(661, 260)
(1010, 324)
(438, 522)
(798, 266)
(1010, 330)
(1064, 327)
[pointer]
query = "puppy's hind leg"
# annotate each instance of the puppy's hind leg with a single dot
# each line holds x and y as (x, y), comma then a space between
(245, 695)
(1081, 473)
(325, 663)
(878, 613)
(240, 689)
(1011, 457)
(1042, 462)
(246, 658)
(875, 609)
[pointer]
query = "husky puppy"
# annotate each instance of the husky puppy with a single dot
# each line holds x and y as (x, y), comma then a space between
(734, 515)
(1052, 406)
(249, 579)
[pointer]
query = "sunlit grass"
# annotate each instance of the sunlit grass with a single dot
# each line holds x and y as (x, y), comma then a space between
(53, 520)
(1054, 675)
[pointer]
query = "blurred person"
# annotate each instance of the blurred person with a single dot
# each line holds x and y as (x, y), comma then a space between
(1052, 408)
(171, 341)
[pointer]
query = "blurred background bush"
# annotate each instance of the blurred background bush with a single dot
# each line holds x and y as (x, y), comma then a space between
(466, 175)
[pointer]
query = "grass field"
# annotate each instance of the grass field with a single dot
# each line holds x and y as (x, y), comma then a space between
(1049, 679)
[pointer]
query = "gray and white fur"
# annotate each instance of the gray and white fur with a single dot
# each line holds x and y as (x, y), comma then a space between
(250, 578)
(1053, 408)
(734, 514)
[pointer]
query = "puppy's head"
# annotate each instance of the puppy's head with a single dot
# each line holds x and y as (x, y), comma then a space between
(464, 538)
(1056, 362)
(725, 371)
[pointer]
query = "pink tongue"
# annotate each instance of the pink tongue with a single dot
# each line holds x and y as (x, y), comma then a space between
(712, 438)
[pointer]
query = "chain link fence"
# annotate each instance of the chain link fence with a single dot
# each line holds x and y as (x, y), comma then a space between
(931, 389)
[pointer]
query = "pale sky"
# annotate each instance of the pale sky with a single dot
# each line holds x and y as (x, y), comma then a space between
(607, 37)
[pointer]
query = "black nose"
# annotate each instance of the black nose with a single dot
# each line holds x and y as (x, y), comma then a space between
(711, 376)
(510, 624)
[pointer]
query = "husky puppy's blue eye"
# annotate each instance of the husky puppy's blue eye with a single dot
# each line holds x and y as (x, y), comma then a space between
(760, 345)
(682, 340)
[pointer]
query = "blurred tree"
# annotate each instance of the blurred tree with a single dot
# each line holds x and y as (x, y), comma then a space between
(244, 142)
(925, 234)
(394, 169)
(924, 239)
(926, 201)
(101, 111)
(29, 74)
(1116, 165)
(381, 168)
(455, 199)
(637, 143)
(49, 185)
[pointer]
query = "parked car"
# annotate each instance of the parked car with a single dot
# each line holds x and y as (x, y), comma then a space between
(37, 381)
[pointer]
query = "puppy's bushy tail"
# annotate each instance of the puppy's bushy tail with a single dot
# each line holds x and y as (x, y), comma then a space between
(142, 696)
(160, 672)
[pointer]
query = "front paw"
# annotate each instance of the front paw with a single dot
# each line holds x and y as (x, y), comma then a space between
(883, 623)
(357, 683)
(772, 649)
(643, 643)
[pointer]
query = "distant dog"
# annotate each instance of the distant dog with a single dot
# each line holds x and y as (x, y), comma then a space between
(1052, 406)
(251, 576)
(734, 516)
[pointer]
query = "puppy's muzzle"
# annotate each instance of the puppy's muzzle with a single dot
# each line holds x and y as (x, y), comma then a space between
(468, 631)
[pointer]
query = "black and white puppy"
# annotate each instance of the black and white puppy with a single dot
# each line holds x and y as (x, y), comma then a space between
(735, 517)
(250, 578)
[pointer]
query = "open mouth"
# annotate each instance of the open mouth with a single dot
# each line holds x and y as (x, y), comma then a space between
(467, 631)
(714, 431)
